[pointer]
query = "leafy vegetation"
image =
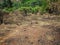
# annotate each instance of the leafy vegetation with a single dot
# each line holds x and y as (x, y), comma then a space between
(33, 6)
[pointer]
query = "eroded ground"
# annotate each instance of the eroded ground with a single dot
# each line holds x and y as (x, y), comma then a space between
(33, 31)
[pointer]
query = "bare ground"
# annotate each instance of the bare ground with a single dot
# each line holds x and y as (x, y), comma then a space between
(34, 30)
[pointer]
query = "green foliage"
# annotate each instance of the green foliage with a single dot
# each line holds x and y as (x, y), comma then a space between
(30, 9)
(6, 3)
(32, 6)
(16, 4)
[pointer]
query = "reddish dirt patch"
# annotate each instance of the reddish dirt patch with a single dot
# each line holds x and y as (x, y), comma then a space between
(30, 35)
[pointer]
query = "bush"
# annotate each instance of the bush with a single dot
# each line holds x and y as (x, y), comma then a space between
(32, 6)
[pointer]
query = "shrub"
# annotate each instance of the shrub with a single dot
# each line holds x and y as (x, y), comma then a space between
(32, 6)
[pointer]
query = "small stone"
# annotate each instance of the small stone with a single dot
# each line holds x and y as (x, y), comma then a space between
(26, 37)
(31, 42)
